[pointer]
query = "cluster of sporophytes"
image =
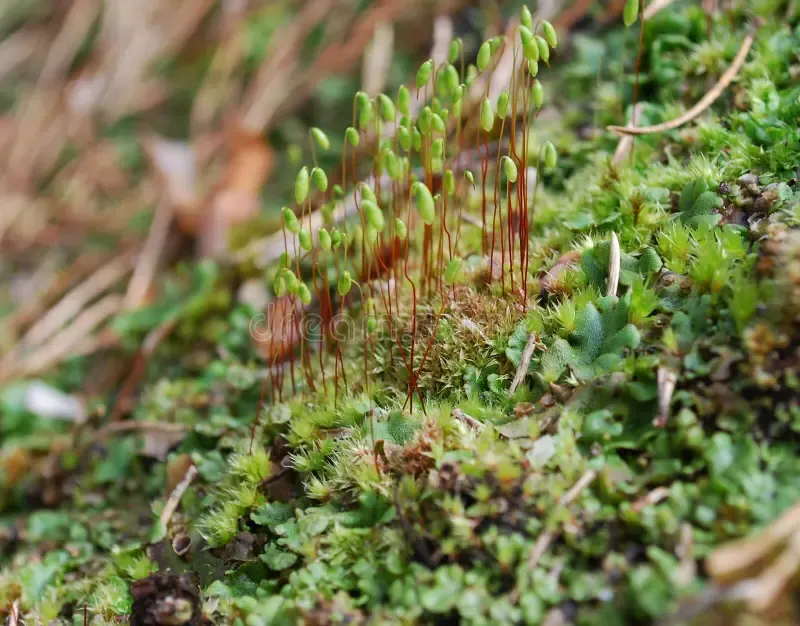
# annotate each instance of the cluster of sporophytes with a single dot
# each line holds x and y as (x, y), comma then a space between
(404, 249)
(402, 473)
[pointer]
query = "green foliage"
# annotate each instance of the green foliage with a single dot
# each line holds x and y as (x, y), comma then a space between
(601, 333)
(697, 205)
(440, 521)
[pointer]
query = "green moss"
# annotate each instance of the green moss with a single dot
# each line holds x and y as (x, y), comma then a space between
(441, 522)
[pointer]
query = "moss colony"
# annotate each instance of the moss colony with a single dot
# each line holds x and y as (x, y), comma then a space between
(525, 371)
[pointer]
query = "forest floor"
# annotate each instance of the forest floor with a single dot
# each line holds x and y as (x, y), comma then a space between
(611, 440)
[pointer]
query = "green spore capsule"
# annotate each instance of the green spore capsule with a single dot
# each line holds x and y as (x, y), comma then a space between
(364, 108)
(424, 120)
(449, 79)
(550, 154)
(324, 239)
(387, 107)
(452, 270)
(502, 105)
(630, 12)
(373, 215)
(279, 286)
(403, 99)
(320, 179)
(321, 138)
(304, 293)
(404, 138)
(484, 55)
(424, 73)
(455, 48)
(393, 165)
(290, 220)
(338, 192)
(544, 49)
(344, 283)
(510, 169)
(351, 134)
(425, 203)
(533, 68)
(336, 238)
(530, 49)
(550, 34)
(468, 175)
(367, 193)
(290, 279)
(283, 259)
(305, 239)
(416, 139)
(525, 18)
(437, 148)
(372, 325)
(437, 122)
(449, 182)
(497, 42)
(400, 228)
(487, 115)
(301, 185)
(537, 94)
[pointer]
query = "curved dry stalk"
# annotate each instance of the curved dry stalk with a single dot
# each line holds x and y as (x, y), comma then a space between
(176, 495)
(75, 300)
(655, 7)
(524, 363)
(705, 102)
(63, 343)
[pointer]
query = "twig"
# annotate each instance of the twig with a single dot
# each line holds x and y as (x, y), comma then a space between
(72, 303)
(666, 380)
(134, 425)
(471, 220)
(524, 363)
(148, 260)
(613, 266)
(31, 309)
(655, 7)
(62, 344)
(13, 614)
(705, 102)
(546, 538)
(265, 96)
(732, 560)
(466, 419)
(176, 495)
(650, 498)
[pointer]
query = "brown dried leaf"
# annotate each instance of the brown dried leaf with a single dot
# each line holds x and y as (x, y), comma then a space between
(237, 199)
(739, 559)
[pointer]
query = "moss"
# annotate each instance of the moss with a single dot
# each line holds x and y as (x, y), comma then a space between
(373, 501)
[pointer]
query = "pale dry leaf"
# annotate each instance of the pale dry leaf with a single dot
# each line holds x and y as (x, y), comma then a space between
(176, 165)
(46, 401)
(738, 559)
(378, 59)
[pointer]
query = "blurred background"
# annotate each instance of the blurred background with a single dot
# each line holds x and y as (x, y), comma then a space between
(137, 135)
